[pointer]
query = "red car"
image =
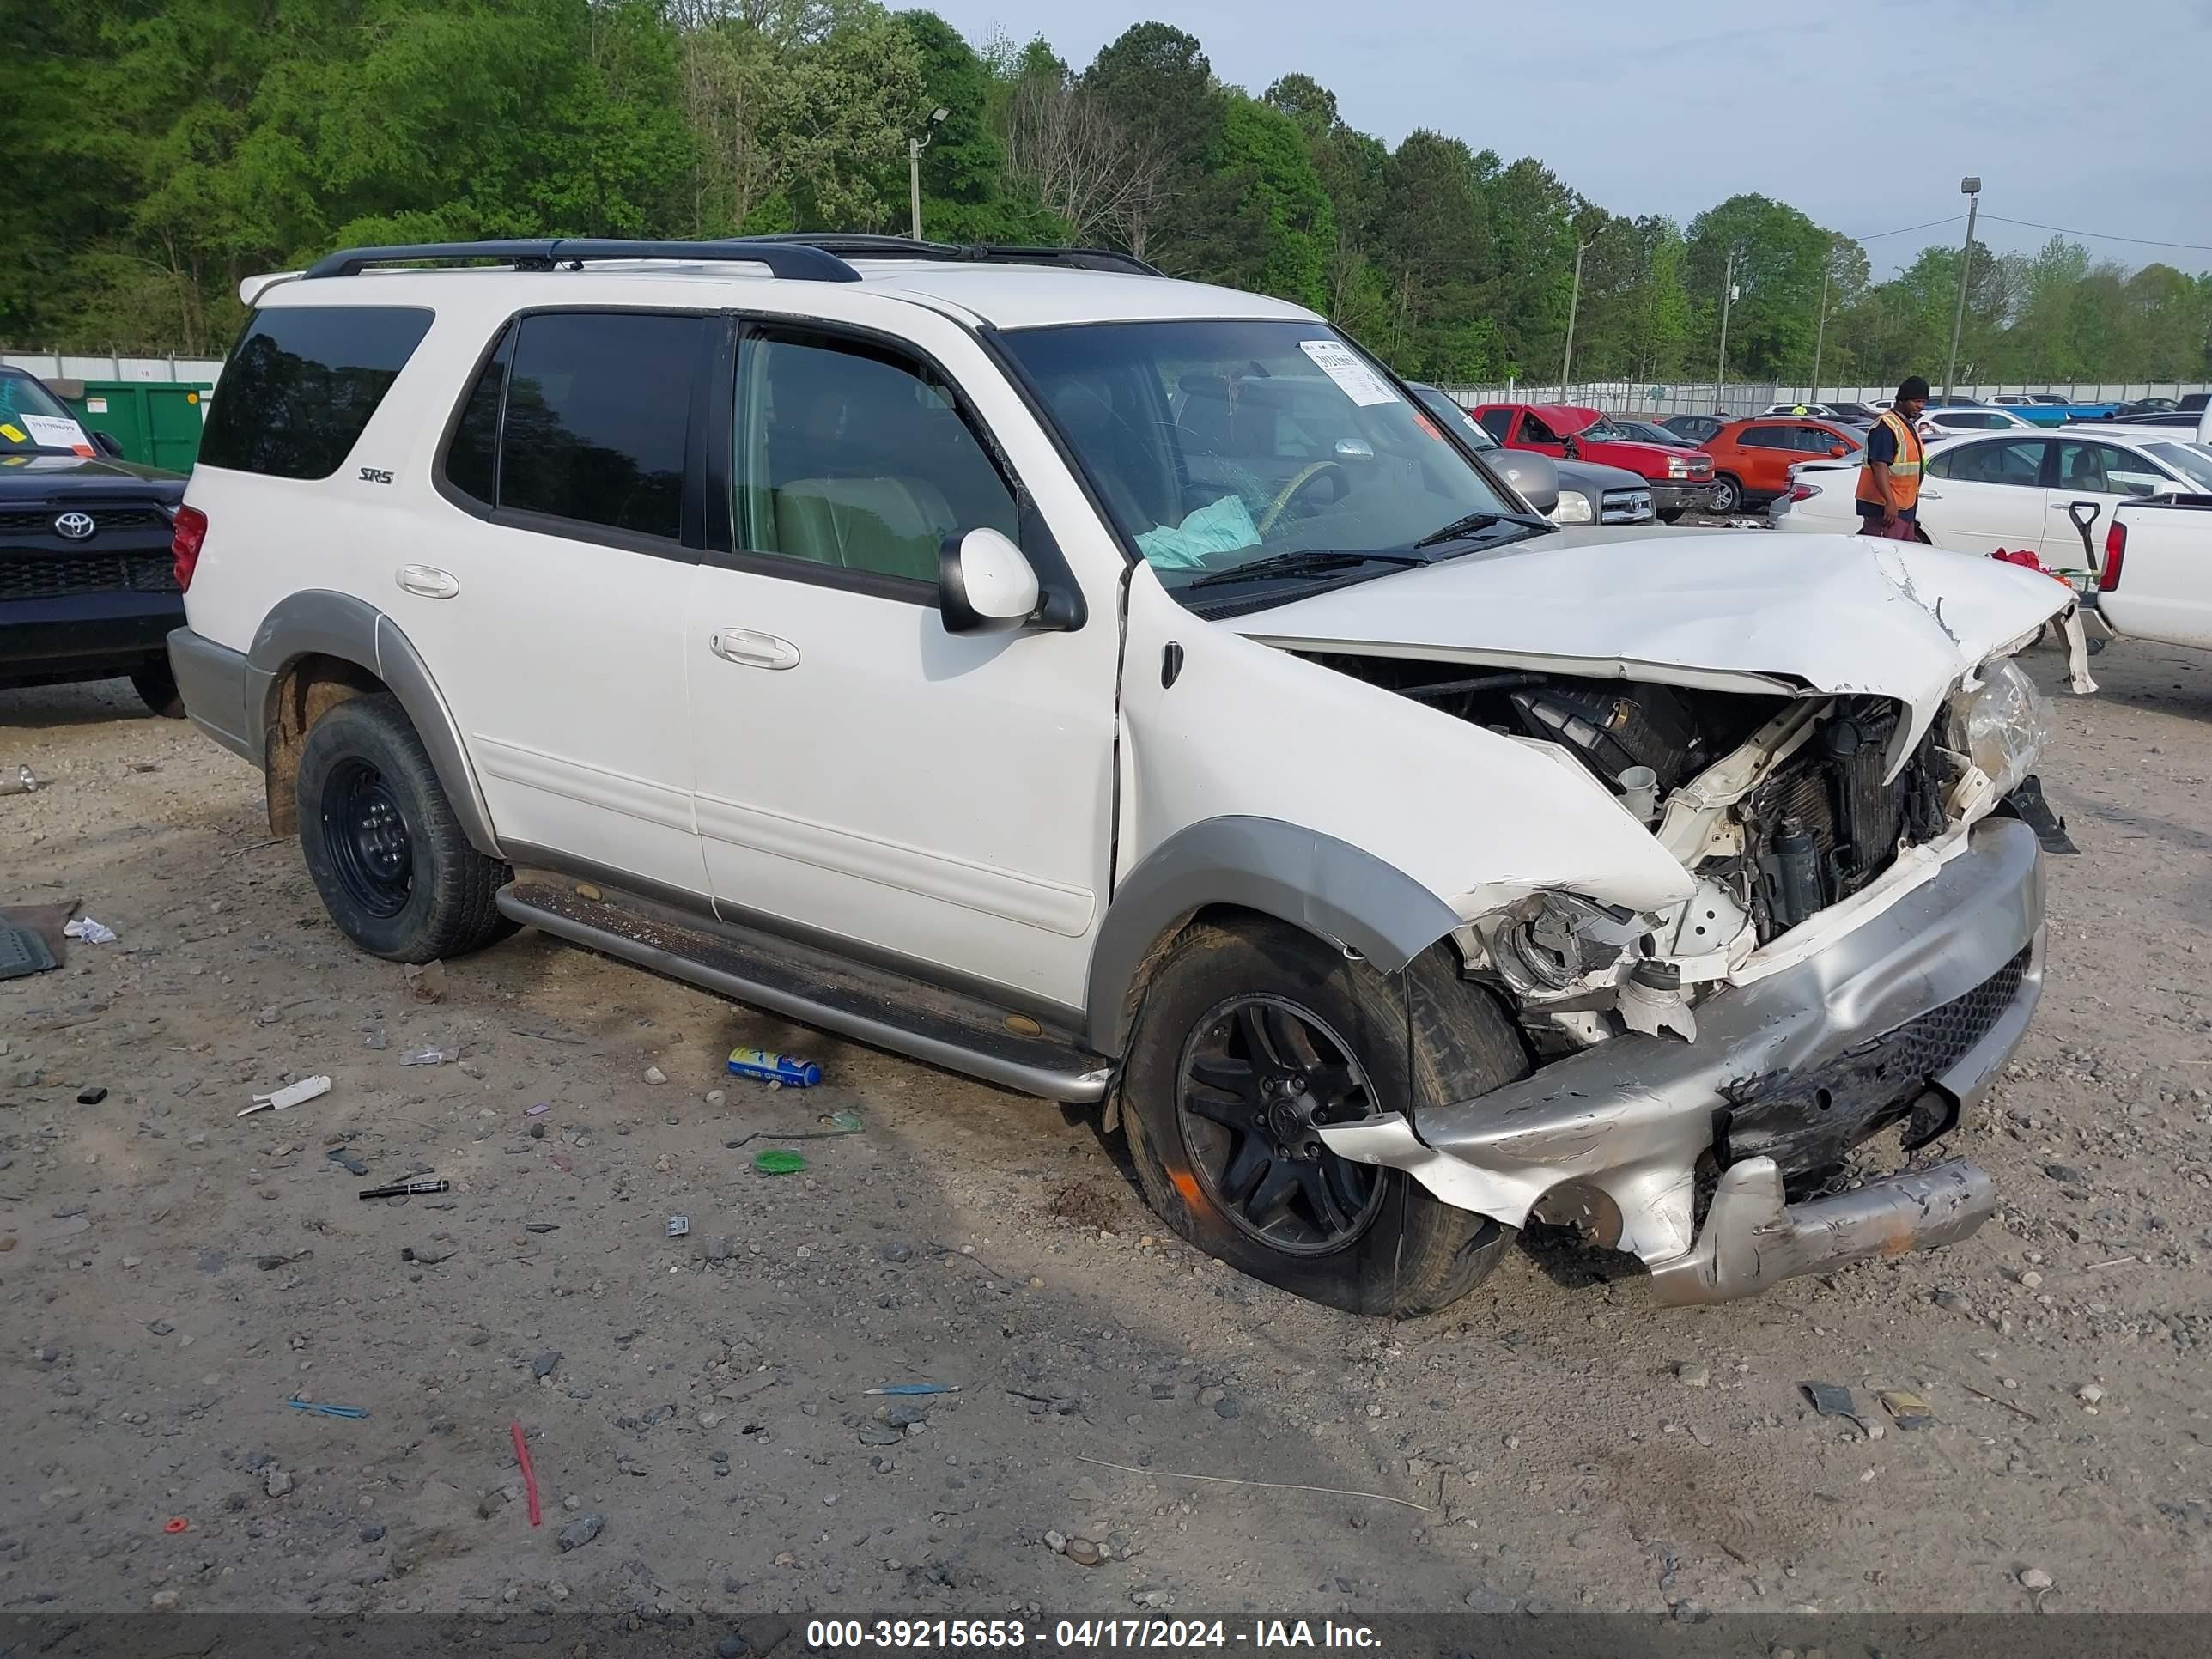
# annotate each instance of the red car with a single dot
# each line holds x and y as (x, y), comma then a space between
(1682, 479)
(1751, 458)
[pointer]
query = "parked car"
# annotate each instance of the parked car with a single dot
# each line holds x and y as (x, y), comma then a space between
(1649, 432)
(1680, 480)
(2049, 408)
(1751, 458)
(1565, 492)
(844, 625)
(2150, 406)
(1945, 423)
(1694, 427)
(2013, 492)
(2187, 415)
(1858, 413)
(87, 587)
(2154, 582)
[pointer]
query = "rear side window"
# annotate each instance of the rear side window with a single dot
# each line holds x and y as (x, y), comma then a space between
(1765, 437)
(598, 418)
(472, 456)
(302, 384)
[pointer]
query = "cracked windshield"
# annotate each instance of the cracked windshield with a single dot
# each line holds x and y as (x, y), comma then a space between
(1221, 446)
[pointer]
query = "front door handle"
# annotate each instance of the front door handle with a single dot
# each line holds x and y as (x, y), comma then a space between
(1931, 494)
(750, 649)
(428, 580)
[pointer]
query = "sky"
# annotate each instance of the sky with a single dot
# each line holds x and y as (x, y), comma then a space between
(1866, 114)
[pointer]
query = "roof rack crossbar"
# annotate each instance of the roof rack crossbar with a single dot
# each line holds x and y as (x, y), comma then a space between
(799, 261)
(859, 245)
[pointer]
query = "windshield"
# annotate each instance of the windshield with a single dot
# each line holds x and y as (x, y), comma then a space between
(2192, 461)
(1217, 444)
(21, 396)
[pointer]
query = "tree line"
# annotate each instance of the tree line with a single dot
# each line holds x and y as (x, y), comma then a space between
(162, 150)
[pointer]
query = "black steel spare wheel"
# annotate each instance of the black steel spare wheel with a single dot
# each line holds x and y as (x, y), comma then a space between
(372, 855)
(1260, 1076)
(396, 872)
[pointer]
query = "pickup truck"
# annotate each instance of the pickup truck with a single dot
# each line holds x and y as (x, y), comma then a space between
(1682, 479)
(2156, 582)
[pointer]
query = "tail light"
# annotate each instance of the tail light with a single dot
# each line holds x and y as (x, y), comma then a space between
(2116, 550)
(1802, 492)
(184, 544)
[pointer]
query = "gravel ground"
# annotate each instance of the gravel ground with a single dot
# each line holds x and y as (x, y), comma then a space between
(172, 1274)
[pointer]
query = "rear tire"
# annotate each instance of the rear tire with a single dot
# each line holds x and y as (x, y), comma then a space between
(1356, 1237)
(392, 864)
(157, 689)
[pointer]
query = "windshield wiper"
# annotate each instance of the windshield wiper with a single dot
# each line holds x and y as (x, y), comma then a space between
(1474, 522)
(1302, 563)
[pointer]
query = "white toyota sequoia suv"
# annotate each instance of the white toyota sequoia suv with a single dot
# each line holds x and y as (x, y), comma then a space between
(1122, 690)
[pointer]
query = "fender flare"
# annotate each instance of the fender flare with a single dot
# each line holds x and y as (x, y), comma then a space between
(317, 621)
(1329, 887)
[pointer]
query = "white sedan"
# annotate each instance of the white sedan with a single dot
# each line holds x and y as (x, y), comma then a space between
(1935, 423)
(2014, 491)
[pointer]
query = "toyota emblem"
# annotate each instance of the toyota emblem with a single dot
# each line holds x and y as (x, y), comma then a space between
(75, 527)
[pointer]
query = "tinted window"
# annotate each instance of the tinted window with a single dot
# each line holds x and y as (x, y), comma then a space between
(2020, 462)
(1497, 422)
(303, 383)
(599, 413)
(1766, 437)
(857, 457)
(471, 457)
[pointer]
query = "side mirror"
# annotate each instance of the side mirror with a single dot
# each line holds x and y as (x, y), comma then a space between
(1837, 452)
(105, 444)
(984, 585)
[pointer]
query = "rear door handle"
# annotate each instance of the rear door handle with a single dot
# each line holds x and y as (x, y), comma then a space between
(428, 580)
(750, 649)
(1931, 494)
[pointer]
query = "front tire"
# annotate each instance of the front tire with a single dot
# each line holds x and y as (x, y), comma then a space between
(157, 689)
(1247, 1038)
(1728, 494)
(392, 864)
(1672, 514)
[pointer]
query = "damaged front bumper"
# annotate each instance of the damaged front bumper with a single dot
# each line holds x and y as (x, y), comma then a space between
(1942, 981)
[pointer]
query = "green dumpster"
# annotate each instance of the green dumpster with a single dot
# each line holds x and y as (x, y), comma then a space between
(156, 422)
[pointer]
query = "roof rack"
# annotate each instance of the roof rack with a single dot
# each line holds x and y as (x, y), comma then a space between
(859, 245)
(799, 259)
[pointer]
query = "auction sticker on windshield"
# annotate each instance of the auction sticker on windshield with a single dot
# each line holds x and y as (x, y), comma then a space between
(1353, 378)
(49, 433)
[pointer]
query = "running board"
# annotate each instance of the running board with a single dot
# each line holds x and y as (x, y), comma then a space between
(881, 1009)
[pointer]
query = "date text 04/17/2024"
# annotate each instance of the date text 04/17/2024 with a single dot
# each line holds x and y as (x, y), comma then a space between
(1087, 1635)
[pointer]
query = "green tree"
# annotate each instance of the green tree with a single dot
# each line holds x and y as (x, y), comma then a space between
(1779, 258)
(1435, 239)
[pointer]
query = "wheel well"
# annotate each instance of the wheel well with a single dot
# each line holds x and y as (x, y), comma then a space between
(307, 689)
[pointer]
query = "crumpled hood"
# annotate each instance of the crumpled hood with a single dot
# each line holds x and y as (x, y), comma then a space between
(1728, 609)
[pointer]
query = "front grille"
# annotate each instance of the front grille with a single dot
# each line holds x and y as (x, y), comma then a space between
(18, 522)
(1807, 1121)
(1625, 507)
(57, 575)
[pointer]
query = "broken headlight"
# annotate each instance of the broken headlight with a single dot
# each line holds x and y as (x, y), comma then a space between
(1547, 944)
(2000, 725)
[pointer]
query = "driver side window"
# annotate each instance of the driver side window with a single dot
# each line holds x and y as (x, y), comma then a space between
(857, 457)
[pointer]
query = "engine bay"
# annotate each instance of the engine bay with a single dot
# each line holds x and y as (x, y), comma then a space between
(1819, 816)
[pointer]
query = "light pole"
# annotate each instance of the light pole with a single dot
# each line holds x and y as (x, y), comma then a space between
(1820, 335)
(1574, 304)
(1971, 189)
(914, 149)
(1728, 295)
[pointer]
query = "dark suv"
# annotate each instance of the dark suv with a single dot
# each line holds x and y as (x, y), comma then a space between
(88, 588)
